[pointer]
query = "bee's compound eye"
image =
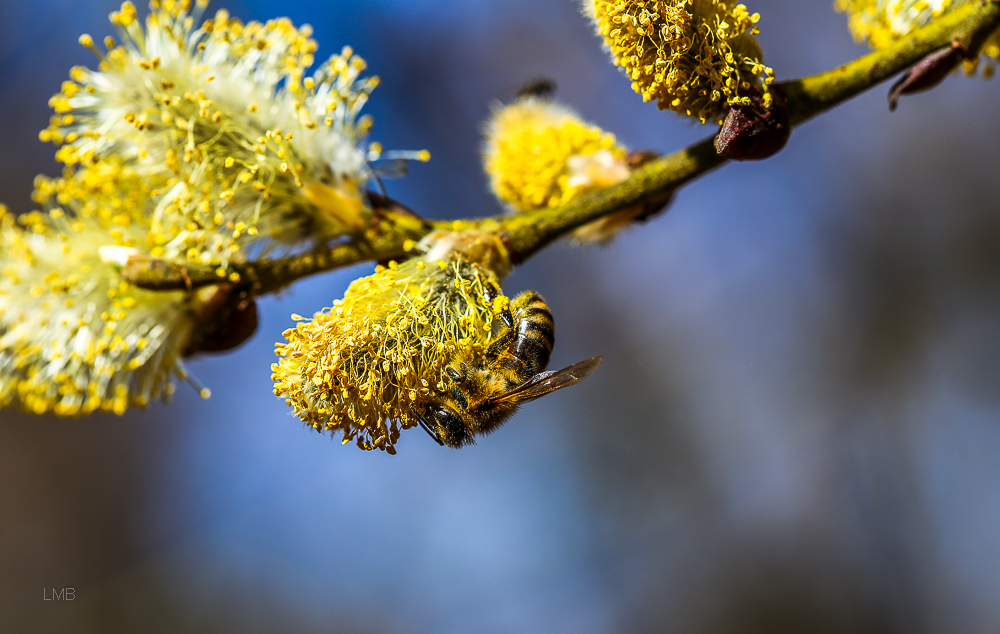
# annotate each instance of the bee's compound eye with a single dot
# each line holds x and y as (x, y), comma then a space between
(453, 430)
(455, 374)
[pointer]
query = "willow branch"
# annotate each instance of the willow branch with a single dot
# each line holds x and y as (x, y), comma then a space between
(806, 98)
(527, 233)
(390, 239)
(969, 25)
(387, 240)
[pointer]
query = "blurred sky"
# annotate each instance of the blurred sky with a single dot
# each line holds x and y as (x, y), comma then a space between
(795, 427)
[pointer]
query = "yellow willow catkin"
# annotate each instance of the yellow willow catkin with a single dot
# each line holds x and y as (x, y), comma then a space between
(254, 152)
(539, 153)
(695, 57)
(74, 336)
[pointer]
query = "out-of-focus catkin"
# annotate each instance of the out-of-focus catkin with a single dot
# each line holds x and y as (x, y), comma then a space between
(75, 337)
(251, 152)
(539, 153)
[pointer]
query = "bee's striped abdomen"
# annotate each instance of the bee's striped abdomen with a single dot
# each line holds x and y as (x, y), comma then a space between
(535, 333)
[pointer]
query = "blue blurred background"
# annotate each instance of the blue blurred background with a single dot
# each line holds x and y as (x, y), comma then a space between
(796, 427)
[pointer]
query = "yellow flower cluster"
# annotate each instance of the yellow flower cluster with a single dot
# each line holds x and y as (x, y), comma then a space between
(365, 366)
(696, 57)
(194, 143)
(74, 336)
(249, 150)
(539, 154)
(882, 22)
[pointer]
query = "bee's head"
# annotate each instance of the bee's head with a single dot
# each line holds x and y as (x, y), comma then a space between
(450, 427)
(464, 410)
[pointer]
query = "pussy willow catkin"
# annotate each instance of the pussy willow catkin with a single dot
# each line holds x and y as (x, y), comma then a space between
(539, 153)
(252, 152)
(696, 57)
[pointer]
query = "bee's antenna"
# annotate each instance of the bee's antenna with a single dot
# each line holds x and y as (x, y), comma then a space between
(427, 428)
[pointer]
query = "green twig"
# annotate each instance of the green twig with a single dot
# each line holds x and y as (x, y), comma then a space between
(388, 240)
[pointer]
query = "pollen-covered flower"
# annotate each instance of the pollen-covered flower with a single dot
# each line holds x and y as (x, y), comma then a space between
(882, 22)
(540, 154)
(696, 57)
(364, 366)
(74, 336)
(252, 151)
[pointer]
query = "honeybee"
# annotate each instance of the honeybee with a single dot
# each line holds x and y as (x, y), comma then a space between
(432, 341)
(487, 389)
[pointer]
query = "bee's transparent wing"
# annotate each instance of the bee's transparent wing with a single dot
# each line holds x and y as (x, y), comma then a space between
(545, 382)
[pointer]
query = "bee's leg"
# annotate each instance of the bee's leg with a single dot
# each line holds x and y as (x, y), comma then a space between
(430, 432)
(502, 343)
(491, 291)
(427, 428)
